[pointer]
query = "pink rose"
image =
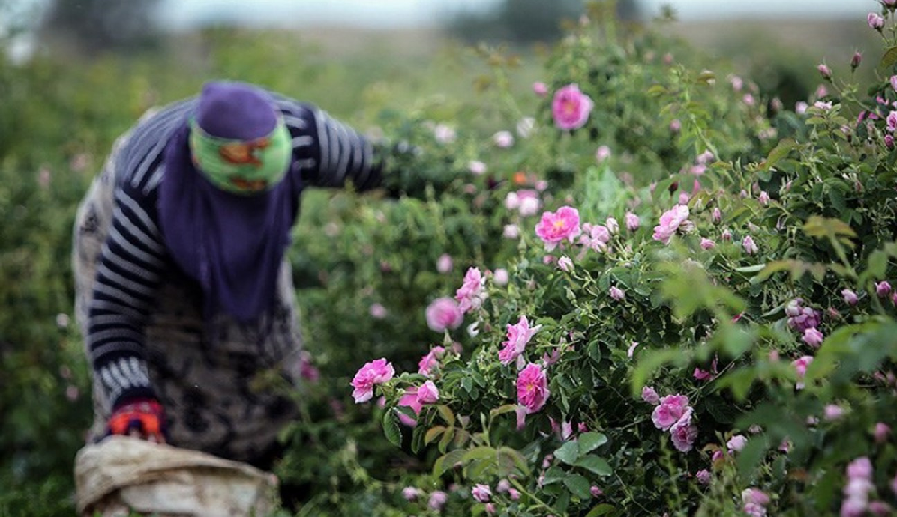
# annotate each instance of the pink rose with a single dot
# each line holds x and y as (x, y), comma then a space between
(570, 107)
(670, 410)
(532, 388)
(632, 221)
(736, 443)
(437, 500)
(684, 432)
(371, 374)
(850, 297)
(444, 263)
(813, 337)
(616, 293)
(427, 393)
(752, 495)
(650, 396)
(540, 89)
(555, 227)
(748, 244)
(443, 313)
(519, 335)
(430, 361)
(471, 294)
(481, 493)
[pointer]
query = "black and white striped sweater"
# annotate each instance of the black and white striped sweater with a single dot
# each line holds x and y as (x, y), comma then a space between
(134, 260)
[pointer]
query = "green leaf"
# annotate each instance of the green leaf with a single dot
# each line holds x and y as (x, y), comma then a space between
(447, 461)
(476, 453)
(391, 428)
(751, 455)
(595, 464)
(889, 58)
(553, 475)
(578, 485)
(568, 453)
(601, 509)
(590, 441)
(433, 433)
(446, 414)
(780, 151)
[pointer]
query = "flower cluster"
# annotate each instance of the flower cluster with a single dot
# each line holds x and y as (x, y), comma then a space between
(672, 413)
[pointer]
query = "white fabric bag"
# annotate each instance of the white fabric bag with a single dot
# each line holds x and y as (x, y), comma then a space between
(122, 474)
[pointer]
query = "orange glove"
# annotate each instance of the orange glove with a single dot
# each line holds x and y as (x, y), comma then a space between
(142, 418)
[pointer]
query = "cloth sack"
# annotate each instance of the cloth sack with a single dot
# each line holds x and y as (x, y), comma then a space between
(123, 474)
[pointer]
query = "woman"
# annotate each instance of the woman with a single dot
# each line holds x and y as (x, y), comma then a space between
(183, 292)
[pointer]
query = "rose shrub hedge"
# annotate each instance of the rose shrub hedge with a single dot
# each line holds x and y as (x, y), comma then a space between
(697, 319)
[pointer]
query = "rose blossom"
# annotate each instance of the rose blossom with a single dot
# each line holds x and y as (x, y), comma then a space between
(570, 107)
(372, 373)
(850, 297)
(471, 293)
(500, 277)
(437, 500)
(632, 221)
(565, 263)
(481, 493)
(532, 388)
(813, 337)
(670, 222)
(616, 293)
(748, 243)
(800, 366)
(707, 244)
(540, 89)
(684, 432)
(443, 313)
(429, 361)
(650, 396)
(670, 410)
(555, 227)
(736, 443)
(519, 335)
(444, 263)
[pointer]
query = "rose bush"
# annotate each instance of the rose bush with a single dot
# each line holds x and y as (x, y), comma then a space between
(729, 350)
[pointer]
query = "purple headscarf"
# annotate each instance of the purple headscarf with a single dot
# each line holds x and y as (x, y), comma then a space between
(232, 244)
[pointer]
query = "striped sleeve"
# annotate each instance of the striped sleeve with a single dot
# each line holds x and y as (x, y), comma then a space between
(328, 152)
(129, 272)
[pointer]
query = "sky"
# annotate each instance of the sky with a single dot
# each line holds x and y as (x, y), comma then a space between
(179, 13)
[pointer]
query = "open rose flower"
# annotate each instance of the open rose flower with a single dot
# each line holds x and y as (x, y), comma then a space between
(669, 411)
(555, 227)
(471, 294)
(443, 313)
(371, 374)
(684, 432)
(532, 388)
(519, 335)
(570, 107)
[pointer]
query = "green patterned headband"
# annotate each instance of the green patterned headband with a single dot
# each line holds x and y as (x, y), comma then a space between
(242, 166)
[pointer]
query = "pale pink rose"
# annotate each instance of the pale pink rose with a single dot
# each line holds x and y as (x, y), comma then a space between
(860, 468)
(703, 476)
(444, 134)
(477, 168)
(632, 221)
(616, 293)
(612, 225)
(752, 495)
(437, 500)
(813, 337)
(891, 121)
(670, 410)
(763, 198)
(444, 313)
(471, 294)
(409, 399)
(481, 493)
(875, 21)
(570, 107)
(444, 263)
(748, 244)
(850, 297)
(532, 388)
(754, 510)
(824, 71)
(565, 263)
(503, 139)
(514, 494)
(833, 412)
(882, 288)
(555, 227)
(670, 222)
(800, 107)
(511, 231)
(595, 491)
(519, 335)
(512, 201)
(707, 244)
(502, 486)
(378, 311)
(410, 493)
(528, 202)
(631, 350)
(489, 508)
(430, 361)
(881, 432)
(375, 372)
(650, 396)
(717, 215)
(675, 125)
(736, 443)
(540, 89)
(684, 432)
(603, 153)
(500, 277)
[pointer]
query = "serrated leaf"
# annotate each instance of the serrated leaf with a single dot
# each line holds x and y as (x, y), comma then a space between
(601, 509)
(780, 151)
(590, 441)
(433, 433)
(567, 453)
(391, 428)
(447, 461)
(578, 486)
(553, 475)
(594, 464)
(446, 414)
(889, 58)
(446, 439)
